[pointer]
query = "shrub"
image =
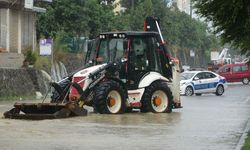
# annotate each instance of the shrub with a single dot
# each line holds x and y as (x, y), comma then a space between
(30, 57)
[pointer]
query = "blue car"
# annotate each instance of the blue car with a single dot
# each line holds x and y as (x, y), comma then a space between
(200, 82)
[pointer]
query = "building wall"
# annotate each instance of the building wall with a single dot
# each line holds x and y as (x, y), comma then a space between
(17, 31)
(27, 30)
(3, 29)
(117, 5)
(13, 31)
(184, 5)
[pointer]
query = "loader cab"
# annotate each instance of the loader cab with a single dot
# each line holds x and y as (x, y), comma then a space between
(140, 50)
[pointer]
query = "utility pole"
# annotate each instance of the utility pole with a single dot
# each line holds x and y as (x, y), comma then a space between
(191, 9)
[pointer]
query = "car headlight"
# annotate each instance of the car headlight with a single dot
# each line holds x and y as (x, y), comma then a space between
(183, 83)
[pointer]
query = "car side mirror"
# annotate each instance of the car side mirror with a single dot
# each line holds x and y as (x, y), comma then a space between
(196, 78)
(123, 60)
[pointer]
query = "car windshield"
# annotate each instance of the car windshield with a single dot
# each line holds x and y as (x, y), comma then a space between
(187, 75)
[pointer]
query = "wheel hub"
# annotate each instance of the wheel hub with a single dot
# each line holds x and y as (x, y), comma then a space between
(111, 101)
(157, 101)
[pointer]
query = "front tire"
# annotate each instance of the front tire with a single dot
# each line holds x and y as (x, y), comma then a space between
(245, 81)
(157, 98)
(109, 98)
(189, 91)
(219, 90)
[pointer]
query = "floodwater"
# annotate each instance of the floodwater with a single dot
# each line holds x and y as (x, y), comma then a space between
(206, 122)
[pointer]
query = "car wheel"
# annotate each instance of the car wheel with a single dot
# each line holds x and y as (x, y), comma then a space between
(189, 91)
(219, 90)
(198, 94)
(245, 81)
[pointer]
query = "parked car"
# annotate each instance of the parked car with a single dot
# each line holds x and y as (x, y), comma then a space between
(236, 72)
(200, 82)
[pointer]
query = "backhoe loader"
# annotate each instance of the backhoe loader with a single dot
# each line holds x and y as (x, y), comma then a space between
(124, 70)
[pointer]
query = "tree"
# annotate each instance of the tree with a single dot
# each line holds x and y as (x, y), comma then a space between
(231, 19)
(139, 13)
(76, 18)
(67, 15)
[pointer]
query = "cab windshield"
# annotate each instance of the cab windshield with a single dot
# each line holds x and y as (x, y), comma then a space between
(110, 50)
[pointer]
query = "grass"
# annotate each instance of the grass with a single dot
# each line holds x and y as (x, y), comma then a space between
(247, 143)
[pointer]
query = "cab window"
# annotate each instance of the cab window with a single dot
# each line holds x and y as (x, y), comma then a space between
(200, 76)
(103, 52)
(237, 69)
(244, 68)
(208, 75)
(110, 50)
(226, 70)
(143, 54)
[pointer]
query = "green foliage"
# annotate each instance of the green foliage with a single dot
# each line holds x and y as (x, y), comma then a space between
(247, 143)
(43, 63)
(66, 15)
(30, 57)
(59, 48)
(77, 18)
(230, 18)
(181, 32)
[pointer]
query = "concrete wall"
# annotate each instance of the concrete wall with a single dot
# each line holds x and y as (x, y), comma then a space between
(22, 82)
(11, 60)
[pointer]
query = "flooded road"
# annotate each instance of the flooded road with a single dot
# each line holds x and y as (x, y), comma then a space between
(206, 122)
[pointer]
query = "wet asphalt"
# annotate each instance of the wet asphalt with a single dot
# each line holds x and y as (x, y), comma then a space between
(206, 122)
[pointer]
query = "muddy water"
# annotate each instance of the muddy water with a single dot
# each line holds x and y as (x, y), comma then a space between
(205, 122)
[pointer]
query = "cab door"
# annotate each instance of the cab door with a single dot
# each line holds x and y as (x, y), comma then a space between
(142, 59)
(227, 73)
(199, 83)
(237, 74)
(211, 80)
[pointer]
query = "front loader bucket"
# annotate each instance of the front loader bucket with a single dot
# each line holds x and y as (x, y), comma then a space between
(39, 111)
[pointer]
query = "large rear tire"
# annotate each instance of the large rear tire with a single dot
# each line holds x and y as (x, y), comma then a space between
(157, 98)
(109, 98)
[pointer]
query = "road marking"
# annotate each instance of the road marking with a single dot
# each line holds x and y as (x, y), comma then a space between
(247, 99)
(243, 137)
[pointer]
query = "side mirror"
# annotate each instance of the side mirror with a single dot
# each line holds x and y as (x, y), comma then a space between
(171, 63)
(196, 78)
(123, 60)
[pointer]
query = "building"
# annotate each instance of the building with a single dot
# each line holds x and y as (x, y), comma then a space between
(184, 5)
(18, 31)
(117, 7)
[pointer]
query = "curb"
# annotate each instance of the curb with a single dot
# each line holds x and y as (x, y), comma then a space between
(243, 137)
